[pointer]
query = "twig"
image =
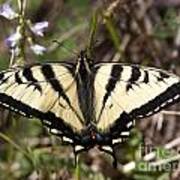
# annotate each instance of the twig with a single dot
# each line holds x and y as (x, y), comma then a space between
(176, 113)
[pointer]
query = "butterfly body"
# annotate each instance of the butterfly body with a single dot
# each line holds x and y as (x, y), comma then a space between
(88, 104)
(84, 77)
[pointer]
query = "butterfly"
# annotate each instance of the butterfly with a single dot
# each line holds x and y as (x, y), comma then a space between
(88, 104)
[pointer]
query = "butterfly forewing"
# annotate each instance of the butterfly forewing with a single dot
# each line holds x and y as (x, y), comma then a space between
(136, 91)
(105, 113)
(45, 88)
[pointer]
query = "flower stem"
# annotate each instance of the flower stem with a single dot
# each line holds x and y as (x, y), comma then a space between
(22, 6)
(22, 30)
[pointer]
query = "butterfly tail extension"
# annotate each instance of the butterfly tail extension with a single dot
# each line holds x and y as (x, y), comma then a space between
(111, 151)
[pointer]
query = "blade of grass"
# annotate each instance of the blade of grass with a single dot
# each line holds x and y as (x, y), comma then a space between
(77, 170)
(93, 28)
(16, 146)
(113, 32)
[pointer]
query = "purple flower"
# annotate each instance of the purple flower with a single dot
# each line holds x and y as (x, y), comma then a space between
(38, 49)
(7, 12)
(39, 28)
(13, 40)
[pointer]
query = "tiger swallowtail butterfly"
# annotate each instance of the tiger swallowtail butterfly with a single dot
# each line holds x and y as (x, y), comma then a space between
(88, 104)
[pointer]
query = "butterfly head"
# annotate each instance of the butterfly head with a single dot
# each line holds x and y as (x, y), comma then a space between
(84, 62)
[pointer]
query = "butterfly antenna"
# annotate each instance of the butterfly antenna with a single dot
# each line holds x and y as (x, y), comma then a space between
(63, 46)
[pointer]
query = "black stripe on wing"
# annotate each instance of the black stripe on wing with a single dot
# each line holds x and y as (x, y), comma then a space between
(163, 100)
(146, 77)
(121, 125)
(54, 122)
(121, 128)
(18, 78)
(1, 76)
(135, 75)
(114, 78)
(27, 73)
(162, 76)
(50, 77)
(55, 84)
(115, 75)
